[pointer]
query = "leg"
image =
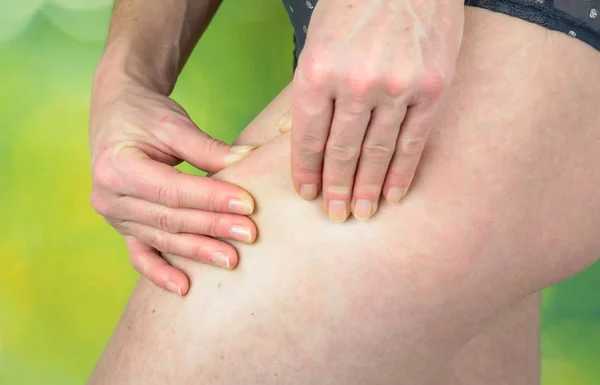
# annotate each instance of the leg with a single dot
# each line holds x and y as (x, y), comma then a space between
(397, 298)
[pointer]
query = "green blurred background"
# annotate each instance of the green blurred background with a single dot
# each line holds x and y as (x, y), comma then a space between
(64, 273)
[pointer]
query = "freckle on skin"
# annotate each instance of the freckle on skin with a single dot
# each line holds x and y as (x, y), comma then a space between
(350, 5)
(153, 311)
(222, 357)
(219, 285)
(252, 313)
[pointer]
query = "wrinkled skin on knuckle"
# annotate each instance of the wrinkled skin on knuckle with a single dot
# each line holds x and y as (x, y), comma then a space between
(310, 145)
(120, 226)
(215, 226)
(411, 145)
(213, 199)
(164, 218)
(341, 153)
(378, 152)
(212, 145)
(170, 195)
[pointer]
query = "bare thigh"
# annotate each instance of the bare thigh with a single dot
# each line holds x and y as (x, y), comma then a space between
(505, 204)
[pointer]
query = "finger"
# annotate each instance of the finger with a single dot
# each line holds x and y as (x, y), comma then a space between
(151, 265)
(192, 246)
(217, 225)
(146, 179)
(376, 154)
(312, 109)
(342, 152)
(202, 151)
(411, 142)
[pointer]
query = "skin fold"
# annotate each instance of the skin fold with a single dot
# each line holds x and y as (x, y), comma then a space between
(438, 289)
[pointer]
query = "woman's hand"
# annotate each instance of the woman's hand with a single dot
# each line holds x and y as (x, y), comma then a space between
(364, 95)
(137, 135)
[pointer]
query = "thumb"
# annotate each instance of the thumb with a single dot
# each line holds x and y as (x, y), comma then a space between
(205, 152)
(285, 123)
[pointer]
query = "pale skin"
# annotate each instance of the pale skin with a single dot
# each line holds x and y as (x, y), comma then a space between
(365, 93)
(359, 129)
(137, 135)
(440, 289)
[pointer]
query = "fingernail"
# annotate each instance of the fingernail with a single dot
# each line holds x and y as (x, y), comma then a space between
(395, 194)
(363, 209)
(238, 153)
(241, 234)
(308, 191)
(338, 211)
(220, 259)
(173, 288)
(244, 150)
(285, 123)
(240, 206)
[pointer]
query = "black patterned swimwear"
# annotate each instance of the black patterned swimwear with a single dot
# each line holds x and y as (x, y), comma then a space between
(578, 18)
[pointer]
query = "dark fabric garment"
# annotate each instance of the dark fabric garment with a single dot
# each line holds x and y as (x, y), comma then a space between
(577, 18)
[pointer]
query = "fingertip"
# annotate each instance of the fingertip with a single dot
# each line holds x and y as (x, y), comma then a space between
(395, 194)
(237, 153)
(174, 281)
(308, 191)
(227, 261)
(242, 204)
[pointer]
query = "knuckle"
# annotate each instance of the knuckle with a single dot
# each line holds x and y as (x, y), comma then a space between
(341, 153)
(119, 226)
(170, 195)
(310, 144)
(99, 203)
(104, 175)
(165, 221)
(212, 200)
(213, 226)
(409, 145)
(396, 85)
(212, 145)
(433, 84)
(316, 67)
(158, 240)
(360, 85)
(378, 151)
